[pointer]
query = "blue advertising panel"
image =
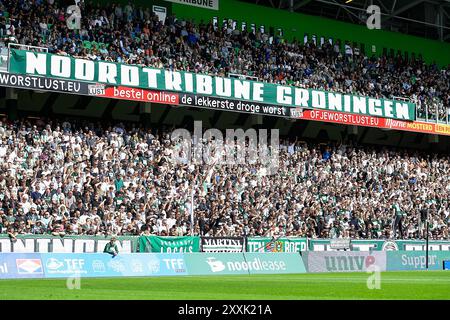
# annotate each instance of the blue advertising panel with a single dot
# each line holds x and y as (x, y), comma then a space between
(58, 265)
(447, 265)
(21, 265)
(415, 260)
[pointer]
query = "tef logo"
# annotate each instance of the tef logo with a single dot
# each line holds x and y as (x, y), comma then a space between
(374, 20)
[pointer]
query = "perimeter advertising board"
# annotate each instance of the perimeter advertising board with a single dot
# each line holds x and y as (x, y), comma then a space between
(22, 265)
(370, 121)
(65, 265)
(416, 260)
(104, 265)
(243, 263)
(344, 261)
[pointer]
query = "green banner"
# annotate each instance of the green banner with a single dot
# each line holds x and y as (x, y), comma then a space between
(261, 244)
(66, 244)
(416, 260)
(243, 263)
(169, 244)
(192, 84)
(383, 245)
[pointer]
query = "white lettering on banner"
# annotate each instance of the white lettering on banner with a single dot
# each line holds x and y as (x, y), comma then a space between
(242, 89)
(281, 95)
(204, 84)
(301, 97)
(173, 80)
(207, 4)
(42, 245)
(335, 101)
(84, 246)
(319, 100)
(347, 103)
(60, 66)
(388, 108)
(251, 91)
(5, 245)
(36, 63)
(152, 77)
(223, 87)
(375, 107)
(84, 69)
(189, 86)
(26, 245)
(107, 72)
(402, 110)
(62, 245)
(258, 91)
(58, 245)
(130, 75)
(359, 105)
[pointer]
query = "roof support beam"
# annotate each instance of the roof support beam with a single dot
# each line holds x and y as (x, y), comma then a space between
(301, 4)
(403, 9)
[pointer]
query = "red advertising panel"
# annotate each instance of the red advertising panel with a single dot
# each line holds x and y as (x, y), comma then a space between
(368, 121)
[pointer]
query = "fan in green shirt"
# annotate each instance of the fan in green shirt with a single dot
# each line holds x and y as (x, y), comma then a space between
(111, 247)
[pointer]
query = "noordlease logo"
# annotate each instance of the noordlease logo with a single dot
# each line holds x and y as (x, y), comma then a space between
(256, 265)
(215, 265)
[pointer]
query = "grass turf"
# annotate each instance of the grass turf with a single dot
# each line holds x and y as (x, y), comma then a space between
(394, 285)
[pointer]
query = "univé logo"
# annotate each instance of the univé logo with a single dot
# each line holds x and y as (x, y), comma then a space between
(349, 263)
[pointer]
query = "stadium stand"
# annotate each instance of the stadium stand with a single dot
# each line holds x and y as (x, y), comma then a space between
(83, 178)
(134, 35)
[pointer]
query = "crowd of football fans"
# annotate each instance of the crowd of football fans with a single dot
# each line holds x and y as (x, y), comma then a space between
(82, 178)
(64, 178)
(130, 34)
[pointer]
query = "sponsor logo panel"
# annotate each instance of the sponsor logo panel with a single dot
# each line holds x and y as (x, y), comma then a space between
(416, 260)
(244, 263)
(20, 265)
(345, 261)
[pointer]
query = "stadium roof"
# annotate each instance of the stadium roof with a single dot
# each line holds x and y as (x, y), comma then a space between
(424, 18)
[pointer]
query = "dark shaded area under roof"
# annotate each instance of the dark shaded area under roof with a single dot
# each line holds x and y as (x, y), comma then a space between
(424, 18)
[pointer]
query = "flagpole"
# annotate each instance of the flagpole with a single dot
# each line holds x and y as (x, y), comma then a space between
(192, 211)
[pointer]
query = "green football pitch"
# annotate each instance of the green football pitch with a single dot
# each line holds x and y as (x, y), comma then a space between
(394, 285)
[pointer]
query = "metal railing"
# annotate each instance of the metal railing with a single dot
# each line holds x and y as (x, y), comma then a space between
(5, 53)
(242, 76)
